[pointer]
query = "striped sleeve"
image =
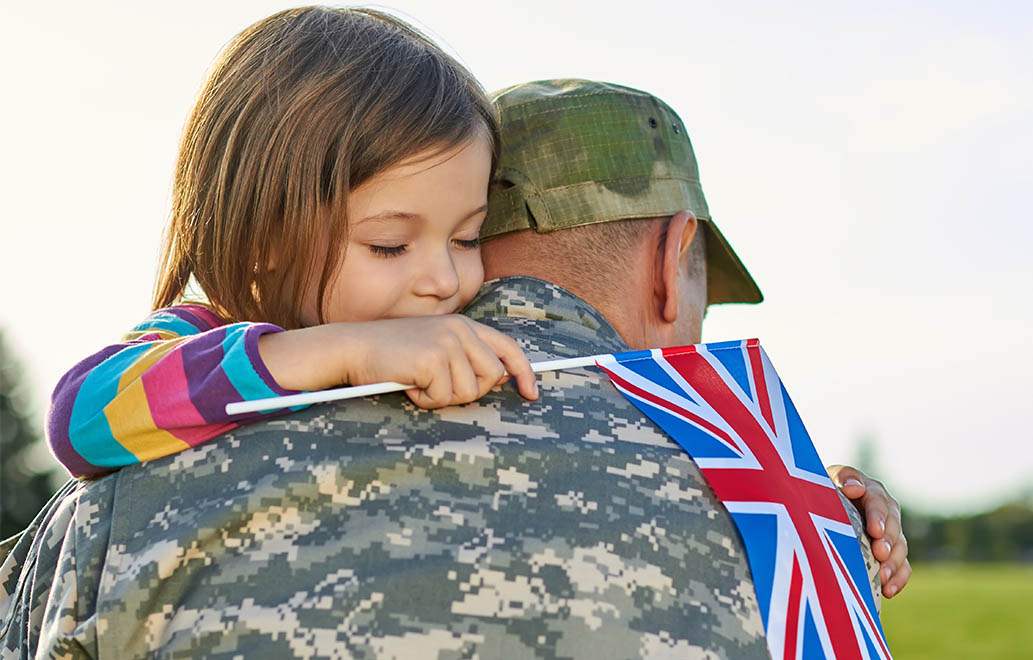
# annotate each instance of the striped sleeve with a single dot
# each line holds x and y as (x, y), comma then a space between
(162, 389)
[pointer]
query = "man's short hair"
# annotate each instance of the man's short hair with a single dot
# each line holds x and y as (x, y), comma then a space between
(600, 255)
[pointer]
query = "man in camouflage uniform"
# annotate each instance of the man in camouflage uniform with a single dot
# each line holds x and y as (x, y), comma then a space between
(569, 527)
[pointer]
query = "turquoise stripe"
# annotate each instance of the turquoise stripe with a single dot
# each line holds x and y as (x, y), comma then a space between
(237, 365)
(170, 322)
(88, 430)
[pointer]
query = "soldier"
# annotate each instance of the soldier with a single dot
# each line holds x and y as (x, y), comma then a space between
(569, 527)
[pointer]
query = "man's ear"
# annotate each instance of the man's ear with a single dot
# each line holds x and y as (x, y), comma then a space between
(680, 230)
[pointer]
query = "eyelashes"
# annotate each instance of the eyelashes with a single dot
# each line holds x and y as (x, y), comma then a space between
(397, 250)
(385, 251)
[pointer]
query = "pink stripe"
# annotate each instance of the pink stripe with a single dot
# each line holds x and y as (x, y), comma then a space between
(195, 435)
(168, 395)
(204, 314)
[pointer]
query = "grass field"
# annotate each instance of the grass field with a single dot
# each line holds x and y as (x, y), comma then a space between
(971, 611)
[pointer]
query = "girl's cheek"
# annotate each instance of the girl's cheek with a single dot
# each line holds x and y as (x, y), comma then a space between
(472, 279)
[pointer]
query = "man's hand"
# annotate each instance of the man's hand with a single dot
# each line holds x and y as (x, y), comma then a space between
(882, 515)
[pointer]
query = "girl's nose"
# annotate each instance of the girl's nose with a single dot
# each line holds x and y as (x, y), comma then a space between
(440, 278)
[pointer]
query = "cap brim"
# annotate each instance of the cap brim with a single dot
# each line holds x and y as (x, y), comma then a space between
(728, 281)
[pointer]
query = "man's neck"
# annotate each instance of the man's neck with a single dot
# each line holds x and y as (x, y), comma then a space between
(627, 306)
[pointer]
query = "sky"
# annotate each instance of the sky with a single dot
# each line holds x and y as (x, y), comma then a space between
(869, 162)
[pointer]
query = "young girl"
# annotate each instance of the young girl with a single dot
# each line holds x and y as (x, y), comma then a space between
(328, 196)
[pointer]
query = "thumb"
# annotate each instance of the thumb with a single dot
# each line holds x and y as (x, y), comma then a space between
(848, 480)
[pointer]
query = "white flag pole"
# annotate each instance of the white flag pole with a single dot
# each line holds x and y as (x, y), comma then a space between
(336, 394)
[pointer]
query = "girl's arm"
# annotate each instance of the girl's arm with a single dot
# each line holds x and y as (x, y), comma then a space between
(165, 387)
(161, 390)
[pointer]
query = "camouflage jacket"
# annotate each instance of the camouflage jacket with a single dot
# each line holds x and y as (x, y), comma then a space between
(570, 527)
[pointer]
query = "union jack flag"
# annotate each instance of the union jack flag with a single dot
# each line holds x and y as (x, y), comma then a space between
(725, 405)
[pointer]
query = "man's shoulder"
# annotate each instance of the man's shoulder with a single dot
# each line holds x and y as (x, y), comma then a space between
(570, 524)
(51, 575)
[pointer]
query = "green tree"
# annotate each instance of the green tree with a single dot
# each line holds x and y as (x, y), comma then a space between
(1003, 534)
(26, 477)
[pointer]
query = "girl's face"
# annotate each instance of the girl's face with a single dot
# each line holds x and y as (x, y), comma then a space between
(412, 247)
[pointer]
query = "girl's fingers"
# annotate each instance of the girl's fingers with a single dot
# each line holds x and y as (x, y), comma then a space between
(435, 387)
(880, 511)
(896, 570)
(464, 378)
(848, 480)
(898, 581)
(466, 360)
(520, 368)
(486, 366)
(514, 360)
(457, 366)
(489, 369)
(894, 539)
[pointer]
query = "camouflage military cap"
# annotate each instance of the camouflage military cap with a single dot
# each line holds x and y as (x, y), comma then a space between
(578, 152)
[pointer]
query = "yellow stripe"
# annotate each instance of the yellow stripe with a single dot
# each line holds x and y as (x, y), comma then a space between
(147, 359)
(129, 417)
(129, 414)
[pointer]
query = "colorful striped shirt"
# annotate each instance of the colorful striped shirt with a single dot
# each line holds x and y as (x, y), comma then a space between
(163, 389)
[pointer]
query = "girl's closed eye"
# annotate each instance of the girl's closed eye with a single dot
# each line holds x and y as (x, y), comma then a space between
(396, 250)
(387, 250)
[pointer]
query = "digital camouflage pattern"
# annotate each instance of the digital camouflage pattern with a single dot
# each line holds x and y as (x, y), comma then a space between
(579, 152)
(570, 527)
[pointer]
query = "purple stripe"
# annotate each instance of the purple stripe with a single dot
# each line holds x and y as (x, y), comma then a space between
(251, 348)
(210, 389)
(60, 415)
(213, 319)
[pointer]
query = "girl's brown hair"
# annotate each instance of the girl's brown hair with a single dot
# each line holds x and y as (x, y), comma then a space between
(300, 108)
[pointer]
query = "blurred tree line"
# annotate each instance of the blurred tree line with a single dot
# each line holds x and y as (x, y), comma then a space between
(1003, 534)
(27, 474)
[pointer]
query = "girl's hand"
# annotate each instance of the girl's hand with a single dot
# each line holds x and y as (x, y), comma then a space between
(448, 359)
(882, 519)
